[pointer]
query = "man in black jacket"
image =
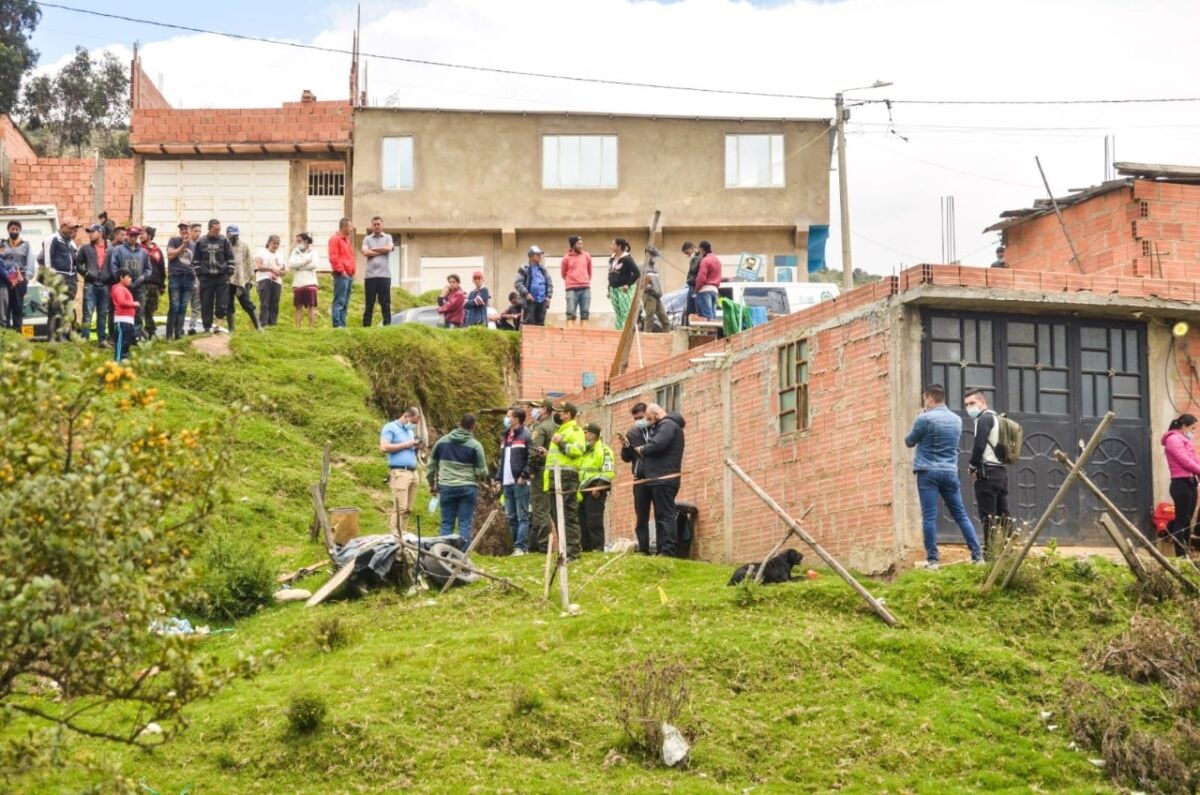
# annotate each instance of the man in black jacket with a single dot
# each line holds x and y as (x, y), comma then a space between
(90, 259)
(629, 444)
(514, 477)
(60, 274)
(988, 473)
(662, 456)
(214, 264)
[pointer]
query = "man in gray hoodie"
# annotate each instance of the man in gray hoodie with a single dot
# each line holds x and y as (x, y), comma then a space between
(456, 467)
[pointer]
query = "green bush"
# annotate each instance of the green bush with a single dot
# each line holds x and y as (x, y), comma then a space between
(306, 714)
(236, 578)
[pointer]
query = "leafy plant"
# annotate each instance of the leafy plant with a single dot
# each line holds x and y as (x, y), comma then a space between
(306, 714)
(236, 577)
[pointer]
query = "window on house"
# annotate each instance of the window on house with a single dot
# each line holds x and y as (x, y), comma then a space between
(753, 161)
(668, 397)
(398, 163)
(793, 387)
(579, 161)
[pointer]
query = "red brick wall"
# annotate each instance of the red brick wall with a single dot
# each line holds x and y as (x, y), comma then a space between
(143, 93)
(67, 183)
(1113, 238)
(15, 145)
(295, 122)
(555, 359)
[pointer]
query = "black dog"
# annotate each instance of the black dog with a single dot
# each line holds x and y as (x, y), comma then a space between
(777, 569)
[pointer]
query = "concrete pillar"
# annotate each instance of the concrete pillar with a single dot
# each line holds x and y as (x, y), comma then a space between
(297, 201)
(98, 189)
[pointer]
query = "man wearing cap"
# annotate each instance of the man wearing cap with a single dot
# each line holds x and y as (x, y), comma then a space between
(577, 281)
(18, 265)
(999, 263)
(60, 275)
(214, 264)
(595, 479)
(180, 277)
(90, 262)
(241, 279)
(535, 286)
(566, 453)
(539, 496)
(477, 302)
(156, 280)
(132, 257)
(377, 279)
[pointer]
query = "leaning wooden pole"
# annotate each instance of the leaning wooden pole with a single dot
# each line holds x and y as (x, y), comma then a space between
(1159, 557)
(621, 359)
(1072, 476)
(562, 538)
(1122, 544)
(762, 565)
(830, 561)
(324, 484)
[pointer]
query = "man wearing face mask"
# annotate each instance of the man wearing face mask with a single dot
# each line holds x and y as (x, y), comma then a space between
(630, 442)
(398, 441)
(539, 496)
(19, 267)
(132, 257)
(663, 456)
(988, 473)
(566, 452)
(595, 478)
(514, 477)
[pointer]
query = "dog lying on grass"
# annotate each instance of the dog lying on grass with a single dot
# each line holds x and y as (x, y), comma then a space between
(777, 569)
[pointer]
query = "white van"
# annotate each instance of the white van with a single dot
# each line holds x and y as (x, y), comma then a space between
(39, 223)
(779, 298)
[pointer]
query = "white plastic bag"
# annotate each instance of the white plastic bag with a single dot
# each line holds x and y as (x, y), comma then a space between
(433, 504)
(675, 748)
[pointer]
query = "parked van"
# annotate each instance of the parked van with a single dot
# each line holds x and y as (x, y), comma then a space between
(39, 223)
(779, 298)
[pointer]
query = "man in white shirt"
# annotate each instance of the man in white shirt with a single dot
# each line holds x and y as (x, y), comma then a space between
(377, 283)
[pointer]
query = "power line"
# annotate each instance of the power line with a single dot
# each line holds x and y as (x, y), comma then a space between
(602, 81)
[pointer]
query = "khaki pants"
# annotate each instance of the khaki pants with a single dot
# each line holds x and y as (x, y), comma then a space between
(403, 483)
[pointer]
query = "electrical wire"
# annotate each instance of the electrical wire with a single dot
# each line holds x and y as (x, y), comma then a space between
(951, 168)
(602, 81)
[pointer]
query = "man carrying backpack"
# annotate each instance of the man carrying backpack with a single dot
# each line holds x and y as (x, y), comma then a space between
(988, 470)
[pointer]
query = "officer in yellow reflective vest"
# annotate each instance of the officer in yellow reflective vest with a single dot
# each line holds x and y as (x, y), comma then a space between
(595, 478)
(566, 450)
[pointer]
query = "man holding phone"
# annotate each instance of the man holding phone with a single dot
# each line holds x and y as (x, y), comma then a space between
(398, 441)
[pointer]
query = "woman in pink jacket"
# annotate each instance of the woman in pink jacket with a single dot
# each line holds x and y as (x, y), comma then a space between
(1184, 465)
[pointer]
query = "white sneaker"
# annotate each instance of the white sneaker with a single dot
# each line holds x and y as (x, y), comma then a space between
(517, 552)
(979, 562)
(931, 565)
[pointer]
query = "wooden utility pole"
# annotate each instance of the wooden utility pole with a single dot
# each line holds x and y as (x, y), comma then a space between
(1058, 212)
(621, 360)
(843, 198)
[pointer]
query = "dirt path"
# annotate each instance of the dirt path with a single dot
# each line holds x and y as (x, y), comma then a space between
(214, 345)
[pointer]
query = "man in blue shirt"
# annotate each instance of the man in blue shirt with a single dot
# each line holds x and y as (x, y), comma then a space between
(398, 440)
(935, 434)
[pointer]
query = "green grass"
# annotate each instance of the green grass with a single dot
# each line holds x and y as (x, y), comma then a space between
(795, 688)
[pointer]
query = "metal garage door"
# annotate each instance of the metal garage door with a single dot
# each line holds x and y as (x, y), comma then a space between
(250, 193)
(1057, 377)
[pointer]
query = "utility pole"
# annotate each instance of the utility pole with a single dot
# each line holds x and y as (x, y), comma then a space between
(844, 200)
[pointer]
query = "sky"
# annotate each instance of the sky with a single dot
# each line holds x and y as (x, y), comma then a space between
(899, 164)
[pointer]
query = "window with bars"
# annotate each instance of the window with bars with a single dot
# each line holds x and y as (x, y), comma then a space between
(793, 387)
(668, 397)
(327, 183)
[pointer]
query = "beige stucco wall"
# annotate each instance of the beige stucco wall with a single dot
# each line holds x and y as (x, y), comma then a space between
(477, 182)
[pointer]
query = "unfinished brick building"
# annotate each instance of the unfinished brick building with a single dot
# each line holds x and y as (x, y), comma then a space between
(815, 405)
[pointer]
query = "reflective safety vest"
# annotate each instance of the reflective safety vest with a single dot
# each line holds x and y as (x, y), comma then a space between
(596, 467)
(567, 454)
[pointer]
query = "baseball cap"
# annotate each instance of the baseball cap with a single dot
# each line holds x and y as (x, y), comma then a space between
(133, 230)
(232, 230)
(71, 222)
(534, 250)
(184, 225)
(95, 228)
(593, 428)
(477, 275)
(15, 223)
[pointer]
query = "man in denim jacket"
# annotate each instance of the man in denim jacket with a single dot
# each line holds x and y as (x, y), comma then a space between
(935, 434)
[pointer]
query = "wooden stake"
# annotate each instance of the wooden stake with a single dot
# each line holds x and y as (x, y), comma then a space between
(549, 576)
(303, 571)
(487, 525)
(622, 357)
(1002, 559)
(762, 567)
(1122, 543)
(1136, 533)
(1072, 476)
(323, 483)
(322, 518)
(562, 538)
(830, 561)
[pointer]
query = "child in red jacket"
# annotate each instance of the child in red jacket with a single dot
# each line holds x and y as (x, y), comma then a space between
(124, 311)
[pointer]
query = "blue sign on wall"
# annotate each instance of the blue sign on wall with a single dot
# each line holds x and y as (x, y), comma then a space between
(817, 235)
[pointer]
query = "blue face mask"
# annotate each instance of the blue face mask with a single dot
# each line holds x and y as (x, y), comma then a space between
(507, 422)
(974, 412)
(643, 424)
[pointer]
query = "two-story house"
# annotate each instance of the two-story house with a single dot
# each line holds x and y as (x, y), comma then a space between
(473, 190)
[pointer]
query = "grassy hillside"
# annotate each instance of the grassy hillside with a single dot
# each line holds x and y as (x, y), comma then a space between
(792, 688)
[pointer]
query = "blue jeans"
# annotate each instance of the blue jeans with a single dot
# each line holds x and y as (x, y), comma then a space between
(932, 484)
(516, 508)
(341, 299)
(95, 299)
(179, 298)
(457, 502)
(706, 305)
(579, 299)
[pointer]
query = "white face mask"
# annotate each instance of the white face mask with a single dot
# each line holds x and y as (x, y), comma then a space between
(1190, 434)
(536, 413)
(508, 422)
(974, 411)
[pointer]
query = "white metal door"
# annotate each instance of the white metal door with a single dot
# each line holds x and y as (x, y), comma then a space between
(253, 194)
(324, 212)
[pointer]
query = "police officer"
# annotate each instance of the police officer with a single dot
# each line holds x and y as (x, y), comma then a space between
(566, 452)
(539, 496)
(595, 479)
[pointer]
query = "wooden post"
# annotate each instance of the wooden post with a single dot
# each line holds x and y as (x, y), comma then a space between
(830, 561)
(1122, 543)
(487, 525)
(549, 576)
(1072, 476)
(1133, 531)
(762, 566)
(622, 357)
(1002, 560)
(323, 483)
(562, 538)
(322, 518)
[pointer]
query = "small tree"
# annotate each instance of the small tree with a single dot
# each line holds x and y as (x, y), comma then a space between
(18, 18)
(87, 100)
(100, 509)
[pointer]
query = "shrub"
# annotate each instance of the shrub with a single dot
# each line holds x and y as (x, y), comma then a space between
(236, 578)
(748, 593)
(331, 633)
(648, 694)
(306, 714)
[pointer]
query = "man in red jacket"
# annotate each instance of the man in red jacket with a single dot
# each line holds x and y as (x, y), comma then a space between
(708, 281)
(341, 260)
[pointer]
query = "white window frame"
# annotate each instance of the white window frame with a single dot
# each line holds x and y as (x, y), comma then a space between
(395, 180)
(733, 153)
(556, 151)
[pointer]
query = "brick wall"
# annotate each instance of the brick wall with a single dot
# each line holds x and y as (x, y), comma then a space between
(307, 121)
(1150, 230)
(142, 91)
(15, 145)
(67, 183)
(555, 359)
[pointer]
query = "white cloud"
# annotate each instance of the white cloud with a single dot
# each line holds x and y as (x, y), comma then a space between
(937, 49)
